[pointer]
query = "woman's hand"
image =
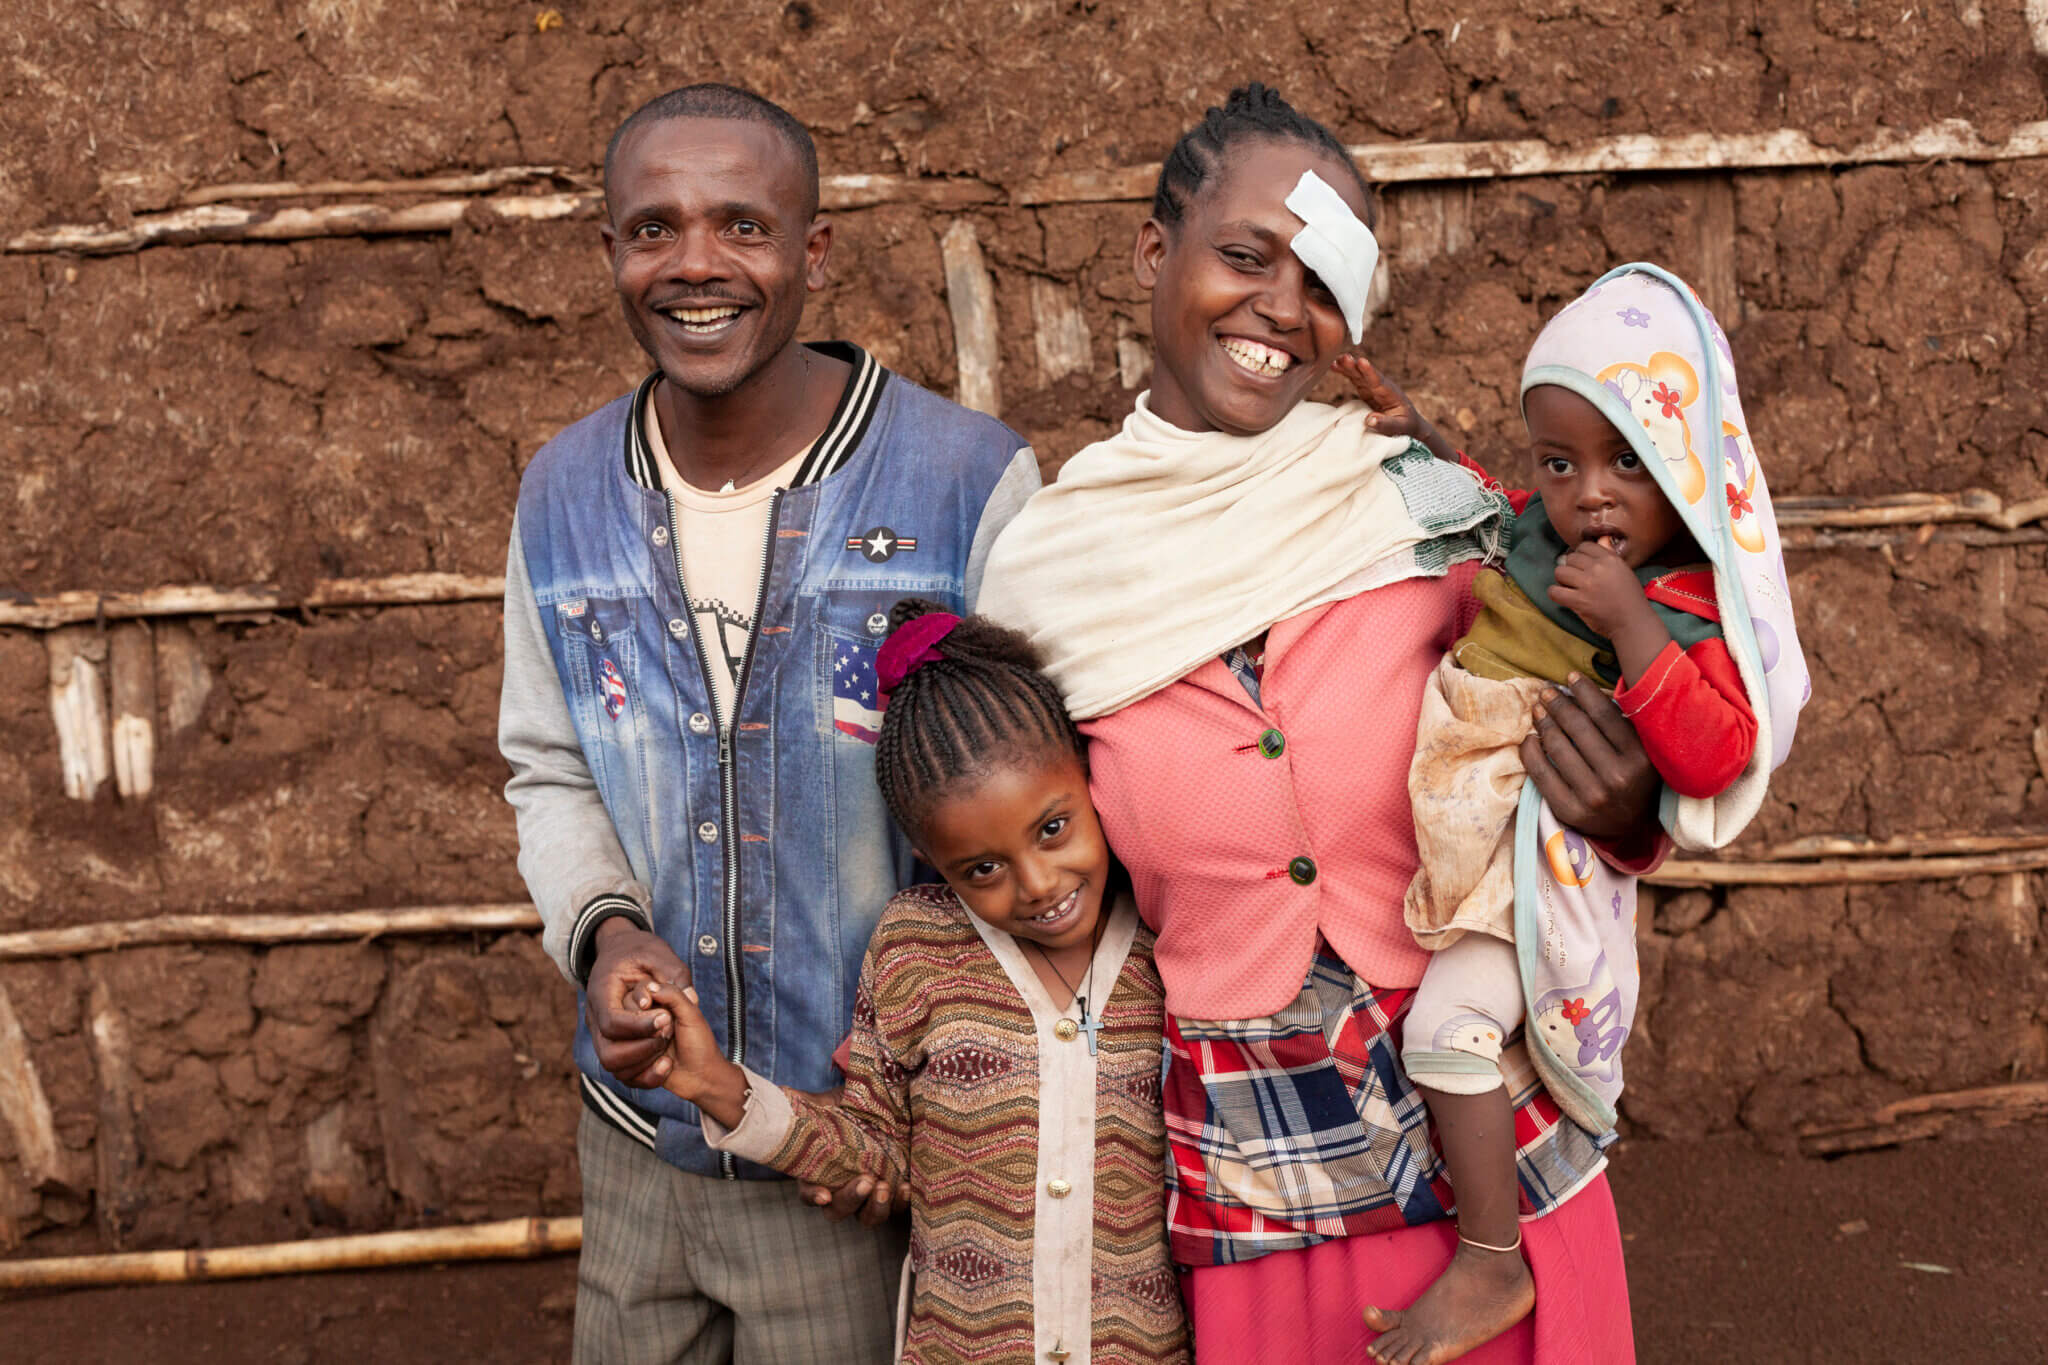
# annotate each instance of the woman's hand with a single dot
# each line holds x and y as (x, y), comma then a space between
(1588, 764)
(1392, 413)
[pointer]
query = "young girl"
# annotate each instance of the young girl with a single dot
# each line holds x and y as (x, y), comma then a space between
(1241, 595)
(1608, 579)
(1006, 1033)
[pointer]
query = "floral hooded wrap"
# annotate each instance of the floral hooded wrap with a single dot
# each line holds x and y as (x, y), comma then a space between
(1641, 347)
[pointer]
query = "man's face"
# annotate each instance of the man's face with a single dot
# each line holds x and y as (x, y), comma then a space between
(712, 247)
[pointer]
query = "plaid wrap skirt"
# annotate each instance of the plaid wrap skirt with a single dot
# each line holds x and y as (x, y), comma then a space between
(1302, 1127)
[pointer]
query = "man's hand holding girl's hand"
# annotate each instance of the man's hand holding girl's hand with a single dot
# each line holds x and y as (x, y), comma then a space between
(695, 1069)
(1392, 413)
(630, 1038)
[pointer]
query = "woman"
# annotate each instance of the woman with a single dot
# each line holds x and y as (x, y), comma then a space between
(1242, 595)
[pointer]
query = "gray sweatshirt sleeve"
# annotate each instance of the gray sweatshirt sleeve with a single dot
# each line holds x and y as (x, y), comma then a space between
(575, 869)
(1020, 480)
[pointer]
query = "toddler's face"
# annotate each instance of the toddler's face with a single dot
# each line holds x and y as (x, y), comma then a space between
(1593, 483)
(1023, 850)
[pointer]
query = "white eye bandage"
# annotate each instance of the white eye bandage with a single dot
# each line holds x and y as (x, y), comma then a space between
(1336, 245)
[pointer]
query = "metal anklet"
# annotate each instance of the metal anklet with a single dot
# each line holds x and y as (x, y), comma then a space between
(1515, 1245)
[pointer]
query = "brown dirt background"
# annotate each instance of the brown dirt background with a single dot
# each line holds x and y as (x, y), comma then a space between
(277, 413)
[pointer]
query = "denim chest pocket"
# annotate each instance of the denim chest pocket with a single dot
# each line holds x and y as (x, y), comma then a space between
(598, 648)
(850, 628)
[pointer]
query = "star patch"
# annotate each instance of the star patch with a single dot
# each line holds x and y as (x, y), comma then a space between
(881, 544)
(612, 688)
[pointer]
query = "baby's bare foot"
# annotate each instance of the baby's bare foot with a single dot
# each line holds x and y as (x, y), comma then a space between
(1480, 1295)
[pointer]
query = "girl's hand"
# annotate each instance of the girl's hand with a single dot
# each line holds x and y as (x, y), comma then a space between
(1392, 413)
(694, 1068)
(1588, 764)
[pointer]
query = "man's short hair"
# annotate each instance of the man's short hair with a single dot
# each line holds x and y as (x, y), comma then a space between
(712, 100)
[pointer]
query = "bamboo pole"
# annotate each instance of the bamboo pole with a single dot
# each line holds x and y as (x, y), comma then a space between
(199, 599)
(512, 1239)
(1905, 845)
(1924, 1116)
(1976, 537)
(834, 191)
(233, 223)
(303, 928)
(206, 218)
(218, 222)
(1810, 522)
(1817, 861)
(1844, 871)
(1782, 149)
(477, 182)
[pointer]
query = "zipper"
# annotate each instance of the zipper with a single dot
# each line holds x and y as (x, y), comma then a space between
(728, 781)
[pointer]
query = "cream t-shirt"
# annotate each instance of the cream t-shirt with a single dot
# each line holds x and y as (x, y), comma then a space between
(723, 536)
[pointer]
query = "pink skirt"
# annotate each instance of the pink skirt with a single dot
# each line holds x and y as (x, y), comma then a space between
(1305, 1307)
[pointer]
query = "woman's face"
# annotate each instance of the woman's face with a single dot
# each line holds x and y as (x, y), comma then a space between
(1241, 328)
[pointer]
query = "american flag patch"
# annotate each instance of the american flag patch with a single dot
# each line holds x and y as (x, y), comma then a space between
(856, 698)
(612, 688)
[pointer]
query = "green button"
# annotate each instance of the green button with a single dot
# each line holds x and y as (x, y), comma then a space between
(1303, 870)
(1272, 744)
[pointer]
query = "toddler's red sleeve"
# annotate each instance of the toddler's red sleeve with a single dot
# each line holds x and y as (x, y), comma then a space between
(1693, 717)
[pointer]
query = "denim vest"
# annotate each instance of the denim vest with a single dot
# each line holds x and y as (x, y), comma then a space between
(762, 835)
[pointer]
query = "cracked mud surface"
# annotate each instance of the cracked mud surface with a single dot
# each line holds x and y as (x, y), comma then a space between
(285, 412)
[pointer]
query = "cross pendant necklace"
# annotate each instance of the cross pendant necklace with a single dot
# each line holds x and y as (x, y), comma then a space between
(1089, 1026)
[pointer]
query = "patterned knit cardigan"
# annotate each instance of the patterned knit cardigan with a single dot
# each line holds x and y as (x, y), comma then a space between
(953, 1039)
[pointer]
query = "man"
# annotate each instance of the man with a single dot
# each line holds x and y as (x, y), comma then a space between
(698, 577)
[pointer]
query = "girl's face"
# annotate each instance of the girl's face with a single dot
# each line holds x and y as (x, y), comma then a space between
(1023, 850)
(1242, 329)
(1593, 483)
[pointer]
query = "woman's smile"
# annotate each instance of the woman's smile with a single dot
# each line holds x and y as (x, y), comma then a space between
(1261, 359)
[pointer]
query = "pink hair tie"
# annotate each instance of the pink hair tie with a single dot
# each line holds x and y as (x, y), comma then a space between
(914, 645)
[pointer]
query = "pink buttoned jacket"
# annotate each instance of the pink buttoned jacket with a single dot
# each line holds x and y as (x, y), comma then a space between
(1211, 827)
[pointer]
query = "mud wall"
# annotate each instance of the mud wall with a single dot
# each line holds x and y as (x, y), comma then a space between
(277, 413)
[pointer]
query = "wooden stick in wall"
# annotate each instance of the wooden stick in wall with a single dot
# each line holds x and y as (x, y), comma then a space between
(207, 219)
(119, 1190)
(290, 928)
(132, 662)
(1784, 148)
(199, 599)
(971, 299)
(25, 1107)
(1904, 845)
(512, 1239)
(78, 706)
(474, 182)
(1840, 871)
(1925, 1116)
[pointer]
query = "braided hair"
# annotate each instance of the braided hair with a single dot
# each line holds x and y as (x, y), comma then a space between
(980, 703)
(1250, 112)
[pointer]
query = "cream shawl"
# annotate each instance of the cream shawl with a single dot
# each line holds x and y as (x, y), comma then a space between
(1159, 549)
